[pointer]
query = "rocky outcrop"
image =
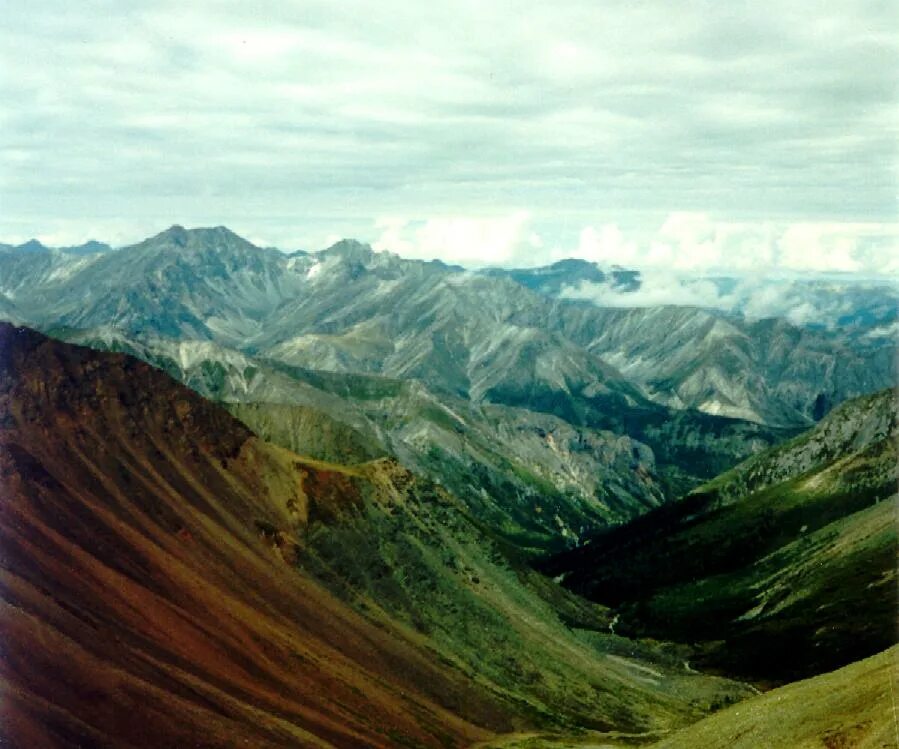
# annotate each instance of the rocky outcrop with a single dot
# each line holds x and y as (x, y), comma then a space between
(847, 430)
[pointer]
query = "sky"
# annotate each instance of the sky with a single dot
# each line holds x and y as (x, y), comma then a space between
(696, 137)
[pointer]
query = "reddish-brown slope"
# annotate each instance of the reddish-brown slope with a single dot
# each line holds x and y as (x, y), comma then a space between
(144, 594)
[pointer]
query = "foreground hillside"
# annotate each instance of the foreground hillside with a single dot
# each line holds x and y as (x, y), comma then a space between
(144, 602)
(853, 707)
(170, 579)
(782, 568)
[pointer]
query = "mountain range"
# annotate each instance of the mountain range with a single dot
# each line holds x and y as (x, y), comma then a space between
(346, 499)
(327, 311)
(548, 416)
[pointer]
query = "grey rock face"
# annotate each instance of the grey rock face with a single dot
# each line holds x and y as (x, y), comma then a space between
(848, 430)
(484, 336)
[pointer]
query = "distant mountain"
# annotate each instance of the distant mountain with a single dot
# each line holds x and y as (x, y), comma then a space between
(488, 336)
(91, 247)
(39, 279)
(207, 283)
(171, 569)
(784, 567)
(8, 311)
(767, 371)
(31, 246)
(553, 280)
(701, 389)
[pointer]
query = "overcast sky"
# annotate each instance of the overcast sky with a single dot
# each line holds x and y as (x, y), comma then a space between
(696, 135)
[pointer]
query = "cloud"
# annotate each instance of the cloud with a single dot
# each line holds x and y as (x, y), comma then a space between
(820, 246)
(294, 120)
(471, 241)
(801, 301)
(686, 244)
(657, 288)
(695, 242)
(607, 246)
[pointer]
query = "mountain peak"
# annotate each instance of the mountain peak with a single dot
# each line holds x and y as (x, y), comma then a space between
(350, 249)
(176, 234)
(91, 247)
(572, 263)
(216, 231)
(218, 237)
(32, 245)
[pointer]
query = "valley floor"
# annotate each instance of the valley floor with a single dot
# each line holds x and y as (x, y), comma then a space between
(585, 740)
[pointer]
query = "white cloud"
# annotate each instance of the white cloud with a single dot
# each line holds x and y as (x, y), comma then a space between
(801, 301)
(695, 242)
(656, 288)
(820, 247)
(470, 241)
(807, 272)
(296, 120)
(684, 243)
(607, 246)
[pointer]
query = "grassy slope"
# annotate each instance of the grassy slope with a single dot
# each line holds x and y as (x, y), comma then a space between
(850, 426)
(411, 554)
(309, 431)
(852, 708)
(532, 478)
